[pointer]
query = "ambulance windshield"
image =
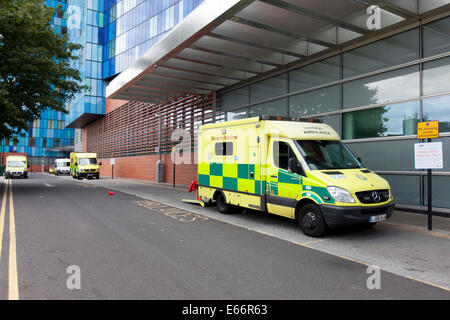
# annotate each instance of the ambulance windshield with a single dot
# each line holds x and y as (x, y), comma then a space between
(85, 161)
(327, 154)
(16, 163)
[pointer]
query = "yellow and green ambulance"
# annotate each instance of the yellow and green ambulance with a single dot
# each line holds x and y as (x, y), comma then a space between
(84, 165)
(16, 167)
(294, 168)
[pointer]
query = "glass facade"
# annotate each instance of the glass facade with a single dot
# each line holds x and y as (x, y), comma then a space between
(373, 96)
(114, 33)
(49, 131)
(131, 27)
(85, 26)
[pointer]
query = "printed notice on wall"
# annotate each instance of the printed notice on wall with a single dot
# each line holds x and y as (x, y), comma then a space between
(428, 155)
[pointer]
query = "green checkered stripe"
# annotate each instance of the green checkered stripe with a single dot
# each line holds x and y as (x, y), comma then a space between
(230, 176)
(236, 177)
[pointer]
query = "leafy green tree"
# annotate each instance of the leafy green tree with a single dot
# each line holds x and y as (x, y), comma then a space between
(35, 71)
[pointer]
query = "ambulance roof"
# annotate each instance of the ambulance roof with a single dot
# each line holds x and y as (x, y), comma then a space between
(16, 157)
(293, 128)
(85, 155)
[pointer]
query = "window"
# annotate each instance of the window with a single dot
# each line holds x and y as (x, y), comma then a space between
(382, 88)
(395, 50)
(436, 78)
(234, 99)
(438, 109)
(436, 37)
(282, 152)
(31, 142)
(315, 74)
(314, 102)
(270, 88)
(327, 155)
(392, 120)
(396, 155)
(271, 108)
(57, 143)
(224, 148)
(237, 114)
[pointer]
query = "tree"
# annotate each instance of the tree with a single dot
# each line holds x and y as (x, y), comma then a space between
(35, 71)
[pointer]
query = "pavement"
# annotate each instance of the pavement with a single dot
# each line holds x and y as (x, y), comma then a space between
(144, 243)
(402, 245)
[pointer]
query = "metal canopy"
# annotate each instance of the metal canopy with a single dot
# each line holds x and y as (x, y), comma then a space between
(222, 43)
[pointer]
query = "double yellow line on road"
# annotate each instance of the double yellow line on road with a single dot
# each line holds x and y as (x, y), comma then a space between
(13, 282)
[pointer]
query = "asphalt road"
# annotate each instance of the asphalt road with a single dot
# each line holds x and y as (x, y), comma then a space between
(124, 247)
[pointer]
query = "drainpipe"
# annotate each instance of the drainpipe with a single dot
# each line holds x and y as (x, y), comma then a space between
(159, 163)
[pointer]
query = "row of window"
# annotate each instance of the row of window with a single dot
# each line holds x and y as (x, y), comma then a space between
(39, 142)
(49, 124)
(399, 84)
(388, 120)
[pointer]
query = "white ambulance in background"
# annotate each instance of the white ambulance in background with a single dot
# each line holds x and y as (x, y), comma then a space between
(62, 166)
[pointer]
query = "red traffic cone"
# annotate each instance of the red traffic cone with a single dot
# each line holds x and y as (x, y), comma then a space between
(110, 193)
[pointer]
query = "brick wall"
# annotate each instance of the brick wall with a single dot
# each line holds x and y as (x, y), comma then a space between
(144, 168)
(112, 104)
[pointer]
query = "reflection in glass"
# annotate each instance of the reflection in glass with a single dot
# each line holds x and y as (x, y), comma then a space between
(237, 114)
(396, 155)
(436, 76)
(398, 49)
(382, 88)
(438, 109)
(271, 108)
(391, 120)
(234, 99)
(314, 102)
(440, 191)
(406, 189)
(268, 88)
(436, 37)
(315, 74)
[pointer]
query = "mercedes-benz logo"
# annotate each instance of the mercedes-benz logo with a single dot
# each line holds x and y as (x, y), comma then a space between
(376, 196)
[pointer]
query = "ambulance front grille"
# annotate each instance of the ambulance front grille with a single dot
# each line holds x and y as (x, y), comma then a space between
(373, 196)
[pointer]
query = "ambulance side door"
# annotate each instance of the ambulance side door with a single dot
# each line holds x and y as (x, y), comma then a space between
(283, 186)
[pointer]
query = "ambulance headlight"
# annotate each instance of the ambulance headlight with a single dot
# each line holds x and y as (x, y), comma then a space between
(341, 195)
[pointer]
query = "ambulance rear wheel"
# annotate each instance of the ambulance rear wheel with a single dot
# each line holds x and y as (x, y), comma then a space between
(222, 204)
(311, 220)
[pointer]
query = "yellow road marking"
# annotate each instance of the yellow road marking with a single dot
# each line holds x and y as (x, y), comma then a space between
(2, 216)
(354, 260)
(13, 283)
(312, 242)
(429, 283)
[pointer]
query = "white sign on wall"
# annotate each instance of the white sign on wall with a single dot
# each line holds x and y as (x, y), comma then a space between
(428, 155)
(112, 161)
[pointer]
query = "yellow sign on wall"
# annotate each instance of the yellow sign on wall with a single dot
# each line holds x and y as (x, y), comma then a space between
(428, 129)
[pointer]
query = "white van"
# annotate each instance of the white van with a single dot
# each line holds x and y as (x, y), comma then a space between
(62, 166)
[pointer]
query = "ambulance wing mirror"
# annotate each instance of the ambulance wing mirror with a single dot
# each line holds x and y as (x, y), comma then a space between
(295, 167)
(100, 163)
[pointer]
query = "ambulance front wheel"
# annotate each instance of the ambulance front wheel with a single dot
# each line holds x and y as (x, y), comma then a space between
(311, 220)
(222, 204)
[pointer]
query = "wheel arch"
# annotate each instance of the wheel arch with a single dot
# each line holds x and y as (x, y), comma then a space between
(301, 203)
